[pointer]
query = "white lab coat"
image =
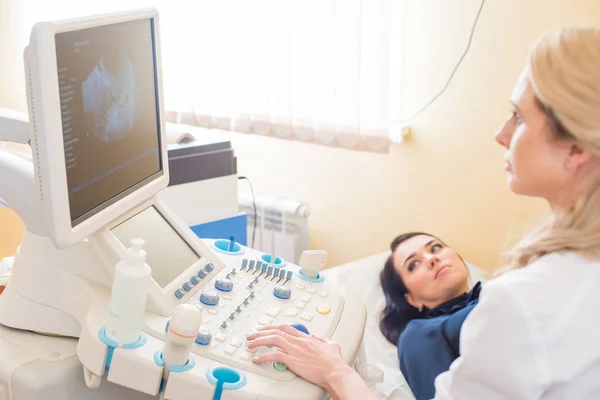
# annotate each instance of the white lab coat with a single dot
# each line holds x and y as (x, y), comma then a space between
(535, 334)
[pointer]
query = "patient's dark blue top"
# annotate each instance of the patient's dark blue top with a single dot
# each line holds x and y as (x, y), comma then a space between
(428, 346)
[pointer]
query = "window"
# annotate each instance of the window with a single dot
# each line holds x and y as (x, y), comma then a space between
(322, 71)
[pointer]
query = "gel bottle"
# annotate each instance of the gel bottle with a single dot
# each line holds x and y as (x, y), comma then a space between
(128, 297)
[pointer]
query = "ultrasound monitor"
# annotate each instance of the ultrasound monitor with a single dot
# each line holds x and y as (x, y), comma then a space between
(100, 134)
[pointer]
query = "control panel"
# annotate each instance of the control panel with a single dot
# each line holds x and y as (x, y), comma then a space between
(254, 290)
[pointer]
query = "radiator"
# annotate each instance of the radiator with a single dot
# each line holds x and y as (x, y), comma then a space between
(281, 225)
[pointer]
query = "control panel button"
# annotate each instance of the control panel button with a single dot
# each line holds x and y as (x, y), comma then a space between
(282, 292)
(246, 356)
(209, 298)
(187, 286)
(212, 311)
(290, 312)
(300, 286)
(323, 293)
(194, 280)
(323, 309)
(179, 293)
(236, 343)
(311, 290)
(224, 285)
(203, 337)
(209, 267)
(230, 350)
(226, 296)
(305, 299)
(202, 274)
(279, 366)
(265, 320)
(307, 316)
(221, 337)
(273, 311)
(300, 305)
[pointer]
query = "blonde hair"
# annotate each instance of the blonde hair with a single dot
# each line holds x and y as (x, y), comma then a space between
(564, 72)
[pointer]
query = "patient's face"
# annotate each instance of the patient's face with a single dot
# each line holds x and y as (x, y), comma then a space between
(432, 272)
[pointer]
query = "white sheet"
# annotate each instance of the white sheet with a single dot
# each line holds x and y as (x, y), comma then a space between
(377, 362)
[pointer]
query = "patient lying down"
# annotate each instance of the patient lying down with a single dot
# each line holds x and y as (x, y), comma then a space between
(426, 285)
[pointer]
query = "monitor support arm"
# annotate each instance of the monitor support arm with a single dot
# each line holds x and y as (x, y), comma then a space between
(17, 178)
(14, 126)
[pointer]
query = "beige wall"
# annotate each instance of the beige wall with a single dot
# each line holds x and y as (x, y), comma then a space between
(11, 229)
(448, 179)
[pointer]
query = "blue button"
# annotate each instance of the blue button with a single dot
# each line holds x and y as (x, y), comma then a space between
(224, 285)
(179, 293)
(195, 280)
(187, 286)
(203, 337)
(209, 267)
(276, 272)
(202, 274)
(300, 327)
(244, 263)
(282, 292)
(269, 270)
(209, 298)
(259, 264)
(252, 262)
(282, 273)
(289, 275)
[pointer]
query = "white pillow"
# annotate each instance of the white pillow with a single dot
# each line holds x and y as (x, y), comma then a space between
(377, 362)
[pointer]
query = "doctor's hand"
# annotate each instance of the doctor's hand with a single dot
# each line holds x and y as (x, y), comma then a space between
(314, 359)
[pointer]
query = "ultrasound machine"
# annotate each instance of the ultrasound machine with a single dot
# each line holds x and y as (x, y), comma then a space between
(97, 132)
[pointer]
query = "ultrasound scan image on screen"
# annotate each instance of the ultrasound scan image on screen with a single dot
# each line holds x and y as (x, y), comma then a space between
(110, 119)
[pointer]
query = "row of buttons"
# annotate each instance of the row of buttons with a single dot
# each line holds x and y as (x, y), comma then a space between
(194, 280)
(252, 266)
(312, 290)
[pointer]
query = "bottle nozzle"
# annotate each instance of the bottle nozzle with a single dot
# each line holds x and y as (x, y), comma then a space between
(137, 245)
(136, 251)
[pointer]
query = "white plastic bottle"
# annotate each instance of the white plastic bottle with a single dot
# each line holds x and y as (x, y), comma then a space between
(128, 297)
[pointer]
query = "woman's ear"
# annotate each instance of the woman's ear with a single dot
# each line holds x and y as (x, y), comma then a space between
(578, 156)
(411, 300)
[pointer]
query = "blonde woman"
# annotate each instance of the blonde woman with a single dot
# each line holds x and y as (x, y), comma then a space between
(535, 333)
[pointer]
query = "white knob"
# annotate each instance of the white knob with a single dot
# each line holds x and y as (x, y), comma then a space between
(312, 262)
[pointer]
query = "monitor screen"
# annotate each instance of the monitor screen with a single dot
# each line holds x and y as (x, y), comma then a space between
(110, 113)
(168, 254)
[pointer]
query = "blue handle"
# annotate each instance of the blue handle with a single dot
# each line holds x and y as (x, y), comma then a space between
(218, 391)
(231, 243)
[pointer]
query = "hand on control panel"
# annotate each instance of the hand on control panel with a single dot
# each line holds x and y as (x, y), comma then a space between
(312, 262)
(311, 358)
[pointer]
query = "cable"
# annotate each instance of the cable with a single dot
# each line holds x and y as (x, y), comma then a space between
(453, 71)
(254, 206)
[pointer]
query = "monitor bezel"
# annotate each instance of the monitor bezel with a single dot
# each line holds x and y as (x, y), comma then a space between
(47, 132)
(162, 299)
